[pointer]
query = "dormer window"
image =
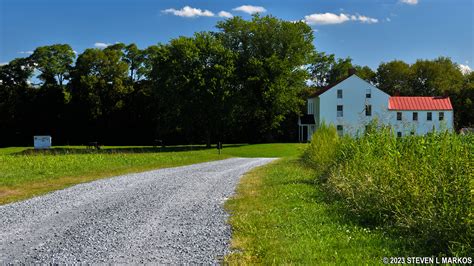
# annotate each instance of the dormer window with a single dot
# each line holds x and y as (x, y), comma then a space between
(339, 94)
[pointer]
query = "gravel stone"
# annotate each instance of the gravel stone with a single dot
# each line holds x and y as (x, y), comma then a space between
(166, 216)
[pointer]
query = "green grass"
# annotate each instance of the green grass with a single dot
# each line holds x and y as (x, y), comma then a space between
(420, 188)
(280, 215)
(11, 150)
(25, 173)
(265, 150)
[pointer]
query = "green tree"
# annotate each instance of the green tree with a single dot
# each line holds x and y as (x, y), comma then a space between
(366, 73)
(394, 78)
(195, 79)
(16, 98)
(320, 67)
(435, 77)
(135, 59)
(269, 74)
(339, 70)
(463, 103)
(16, 73)
(99, 86)
(54, 62)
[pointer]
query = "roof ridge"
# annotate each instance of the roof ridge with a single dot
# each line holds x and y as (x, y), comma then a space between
(328, 87)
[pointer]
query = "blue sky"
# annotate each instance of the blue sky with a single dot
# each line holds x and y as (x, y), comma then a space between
(369, 31)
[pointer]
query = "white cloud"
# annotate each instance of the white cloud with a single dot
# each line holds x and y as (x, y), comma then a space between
(331, 18)
(250, 9)
(225, 14)
(189, 12)
(388, 19)
(409, 2)
(465, 69)
(25, 52)
(101, 45)
(365, 19)
(74, 51)
(326, 18)
(3, 63)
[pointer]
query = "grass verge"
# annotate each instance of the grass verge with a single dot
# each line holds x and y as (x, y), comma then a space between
(281, 216)
(25, 173)
(25, 176)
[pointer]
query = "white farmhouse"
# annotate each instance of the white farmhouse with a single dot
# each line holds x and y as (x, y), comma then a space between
(352, 103)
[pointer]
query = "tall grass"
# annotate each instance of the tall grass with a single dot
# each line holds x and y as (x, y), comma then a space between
(420, 187)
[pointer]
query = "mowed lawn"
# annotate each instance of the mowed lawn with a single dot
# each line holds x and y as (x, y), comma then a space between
(281, 215)
(25, 173)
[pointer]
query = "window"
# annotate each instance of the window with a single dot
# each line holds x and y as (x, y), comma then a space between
(339, 94)
(399, 116)
(399, 134)
(415, 116)
(429, 116)
(441, 116)
(368, 110)
(339, 111)
(340, 130)
(368, 93)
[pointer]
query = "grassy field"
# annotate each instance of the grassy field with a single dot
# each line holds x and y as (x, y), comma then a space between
(280, 215)
(420, 188)
(355, 201)
(25, 173)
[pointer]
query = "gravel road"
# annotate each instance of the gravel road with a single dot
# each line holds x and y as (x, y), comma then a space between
(168, 216)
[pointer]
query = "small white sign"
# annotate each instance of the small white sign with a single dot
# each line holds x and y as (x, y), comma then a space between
(42, 142)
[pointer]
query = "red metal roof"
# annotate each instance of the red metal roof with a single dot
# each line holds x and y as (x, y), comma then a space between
(419, 103)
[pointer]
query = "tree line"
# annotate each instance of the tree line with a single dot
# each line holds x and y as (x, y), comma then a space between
(245, 82)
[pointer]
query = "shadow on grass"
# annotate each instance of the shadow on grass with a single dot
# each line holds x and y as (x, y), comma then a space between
(105, 150)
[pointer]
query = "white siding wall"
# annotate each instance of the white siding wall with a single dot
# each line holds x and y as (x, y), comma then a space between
(354, 119)
(422, 125)
(353, 101)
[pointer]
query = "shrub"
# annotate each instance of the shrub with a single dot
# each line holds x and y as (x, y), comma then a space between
(418, 186)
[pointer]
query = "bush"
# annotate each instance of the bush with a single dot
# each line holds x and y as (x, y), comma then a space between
(418, 186)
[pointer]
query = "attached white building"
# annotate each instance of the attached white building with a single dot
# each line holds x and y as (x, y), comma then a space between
(420, 115)
(352, 103)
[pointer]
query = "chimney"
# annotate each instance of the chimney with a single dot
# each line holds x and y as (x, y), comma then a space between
(351, 71)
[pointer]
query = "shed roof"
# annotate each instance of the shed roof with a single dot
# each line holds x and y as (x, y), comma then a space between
(403, 103)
